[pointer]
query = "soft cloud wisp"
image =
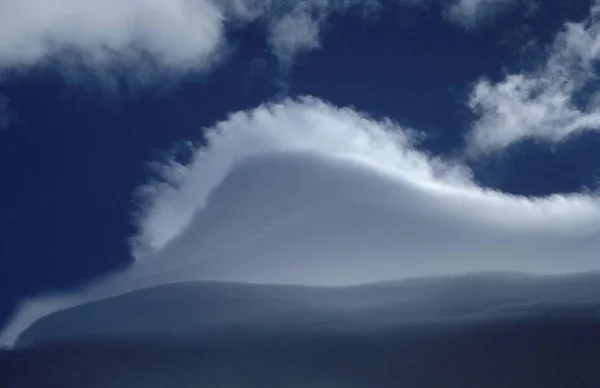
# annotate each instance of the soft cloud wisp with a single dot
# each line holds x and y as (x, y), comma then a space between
(550, 103)
(473, 13)
(176, 35)
(6, 116)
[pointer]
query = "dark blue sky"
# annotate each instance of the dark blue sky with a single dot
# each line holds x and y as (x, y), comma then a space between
(73, 153)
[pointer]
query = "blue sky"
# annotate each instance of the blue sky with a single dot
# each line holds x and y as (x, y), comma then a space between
(99, 103)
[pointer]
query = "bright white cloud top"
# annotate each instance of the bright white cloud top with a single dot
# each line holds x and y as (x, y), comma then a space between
(301, 191)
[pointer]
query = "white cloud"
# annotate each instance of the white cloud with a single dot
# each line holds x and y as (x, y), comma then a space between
(474, 13)
(305, 192)
(549, 103)
(178, 34)
(294, 33)
(145, 35)
(298, 28)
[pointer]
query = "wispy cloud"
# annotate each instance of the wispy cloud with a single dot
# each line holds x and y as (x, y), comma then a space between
(173, 36)
(474, 13)
(550, 103)
(178, 35)
(6, 114)
(294, 33)
(301, 191)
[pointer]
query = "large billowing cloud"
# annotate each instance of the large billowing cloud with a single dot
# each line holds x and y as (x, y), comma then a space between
(550, 103)
(301, 191)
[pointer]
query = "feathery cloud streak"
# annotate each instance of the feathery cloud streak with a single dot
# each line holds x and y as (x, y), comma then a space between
(550, 103)
(474, 13)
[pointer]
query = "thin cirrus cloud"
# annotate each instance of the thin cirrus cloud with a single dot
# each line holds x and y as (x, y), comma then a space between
(551, 103)
(294, 33)
(474, 13)
(6, 115)
(303, 192)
